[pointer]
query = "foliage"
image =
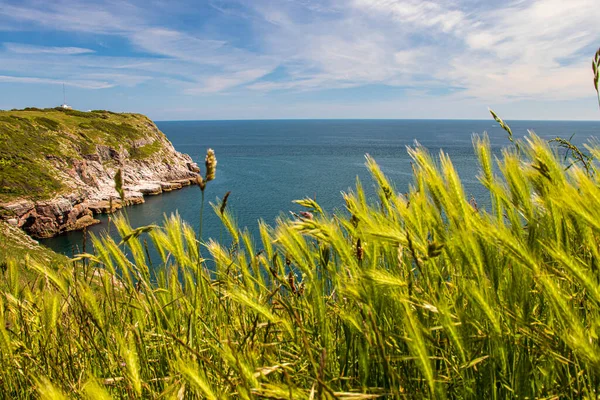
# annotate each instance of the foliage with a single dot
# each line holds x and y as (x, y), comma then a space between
(48, 123)
(145, 151)
(122, 130)
(418, 295)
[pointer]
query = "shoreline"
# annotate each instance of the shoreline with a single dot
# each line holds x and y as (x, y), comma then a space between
(73, 212)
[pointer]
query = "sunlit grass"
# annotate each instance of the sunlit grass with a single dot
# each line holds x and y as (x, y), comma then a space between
(416, 295)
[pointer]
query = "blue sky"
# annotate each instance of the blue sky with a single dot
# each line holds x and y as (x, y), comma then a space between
(263, 59)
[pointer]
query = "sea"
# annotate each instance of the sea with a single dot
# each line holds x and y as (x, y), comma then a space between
(266, 164)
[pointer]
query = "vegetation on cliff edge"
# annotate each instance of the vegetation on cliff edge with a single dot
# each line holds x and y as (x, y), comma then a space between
(17, 247)
(36, 144)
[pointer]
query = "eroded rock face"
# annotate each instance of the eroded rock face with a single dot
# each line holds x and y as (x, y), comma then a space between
(91, 179)
(49, 218)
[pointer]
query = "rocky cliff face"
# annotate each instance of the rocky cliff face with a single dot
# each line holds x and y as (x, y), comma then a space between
(77, 156)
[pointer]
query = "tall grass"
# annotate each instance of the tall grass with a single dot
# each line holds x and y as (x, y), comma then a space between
(420, 295)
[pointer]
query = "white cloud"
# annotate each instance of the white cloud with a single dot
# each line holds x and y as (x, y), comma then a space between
(492, 51)
(218, 83)
(204, 64)
(116, 79)
(80, 83)
(74, 16)
(20, 48)
(219, 66)
(348, 44)
(517, 51)
(416, 12)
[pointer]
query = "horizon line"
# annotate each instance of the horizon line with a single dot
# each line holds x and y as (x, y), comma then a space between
(371, 119)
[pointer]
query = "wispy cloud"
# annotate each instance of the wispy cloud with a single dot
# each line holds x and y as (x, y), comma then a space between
(20, 48)
(219, 65)
(523, 49)
(466, 49)
(85, 84)
(517, 51)
(111, 18)
(418, 13)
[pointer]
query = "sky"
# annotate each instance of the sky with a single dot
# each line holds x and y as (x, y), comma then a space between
(274, 59)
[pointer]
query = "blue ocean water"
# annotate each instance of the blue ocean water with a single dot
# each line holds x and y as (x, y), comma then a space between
(267, 164)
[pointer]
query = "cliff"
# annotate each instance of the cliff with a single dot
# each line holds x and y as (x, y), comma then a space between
(57, 166)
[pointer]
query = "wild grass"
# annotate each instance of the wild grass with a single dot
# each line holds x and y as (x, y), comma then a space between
(404, 296)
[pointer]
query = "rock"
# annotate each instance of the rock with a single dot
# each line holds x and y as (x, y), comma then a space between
(133, 198)
(92, 157)
(114, 155)
(103, 206)
(61, 214)
(80, 169)
(142, 142)
(169, 186)
(103, 152)
(186, 182)
(150, 188)
(19, 208)
(85, 221)
(13, 221)
(39, 225)
(192, 166)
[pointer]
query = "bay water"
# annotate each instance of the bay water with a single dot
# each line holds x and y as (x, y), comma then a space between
(268, 164)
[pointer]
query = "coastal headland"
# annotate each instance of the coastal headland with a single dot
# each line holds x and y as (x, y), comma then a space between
(57, 166)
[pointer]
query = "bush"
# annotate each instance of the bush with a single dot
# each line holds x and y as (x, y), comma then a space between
(145, 151)
(117, 131)
(48, 123)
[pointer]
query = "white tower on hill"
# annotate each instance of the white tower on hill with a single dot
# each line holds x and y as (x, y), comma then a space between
(64, 104)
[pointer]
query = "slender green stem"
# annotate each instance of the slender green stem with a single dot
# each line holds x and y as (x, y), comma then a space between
(201, 218)
(198, 265)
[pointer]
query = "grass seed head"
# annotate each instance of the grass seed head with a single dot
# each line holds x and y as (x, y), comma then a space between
(360, 252)
(292, 282)
(201, 182)
(211, 165)
(307, 215)
(119, 184)
(224, 202)
(596, 71)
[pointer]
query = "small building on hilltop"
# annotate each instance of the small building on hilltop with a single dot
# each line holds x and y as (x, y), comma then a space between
(64, 104)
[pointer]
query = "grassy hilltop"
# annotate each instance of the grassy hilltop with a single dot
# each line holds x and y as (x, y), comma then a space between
(36, 145)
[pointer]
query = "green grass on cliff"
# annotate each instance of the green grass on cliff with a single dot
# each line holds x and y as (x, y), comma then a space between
(417, 295)
(17, 247)
(32, 140)
(145, 151)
